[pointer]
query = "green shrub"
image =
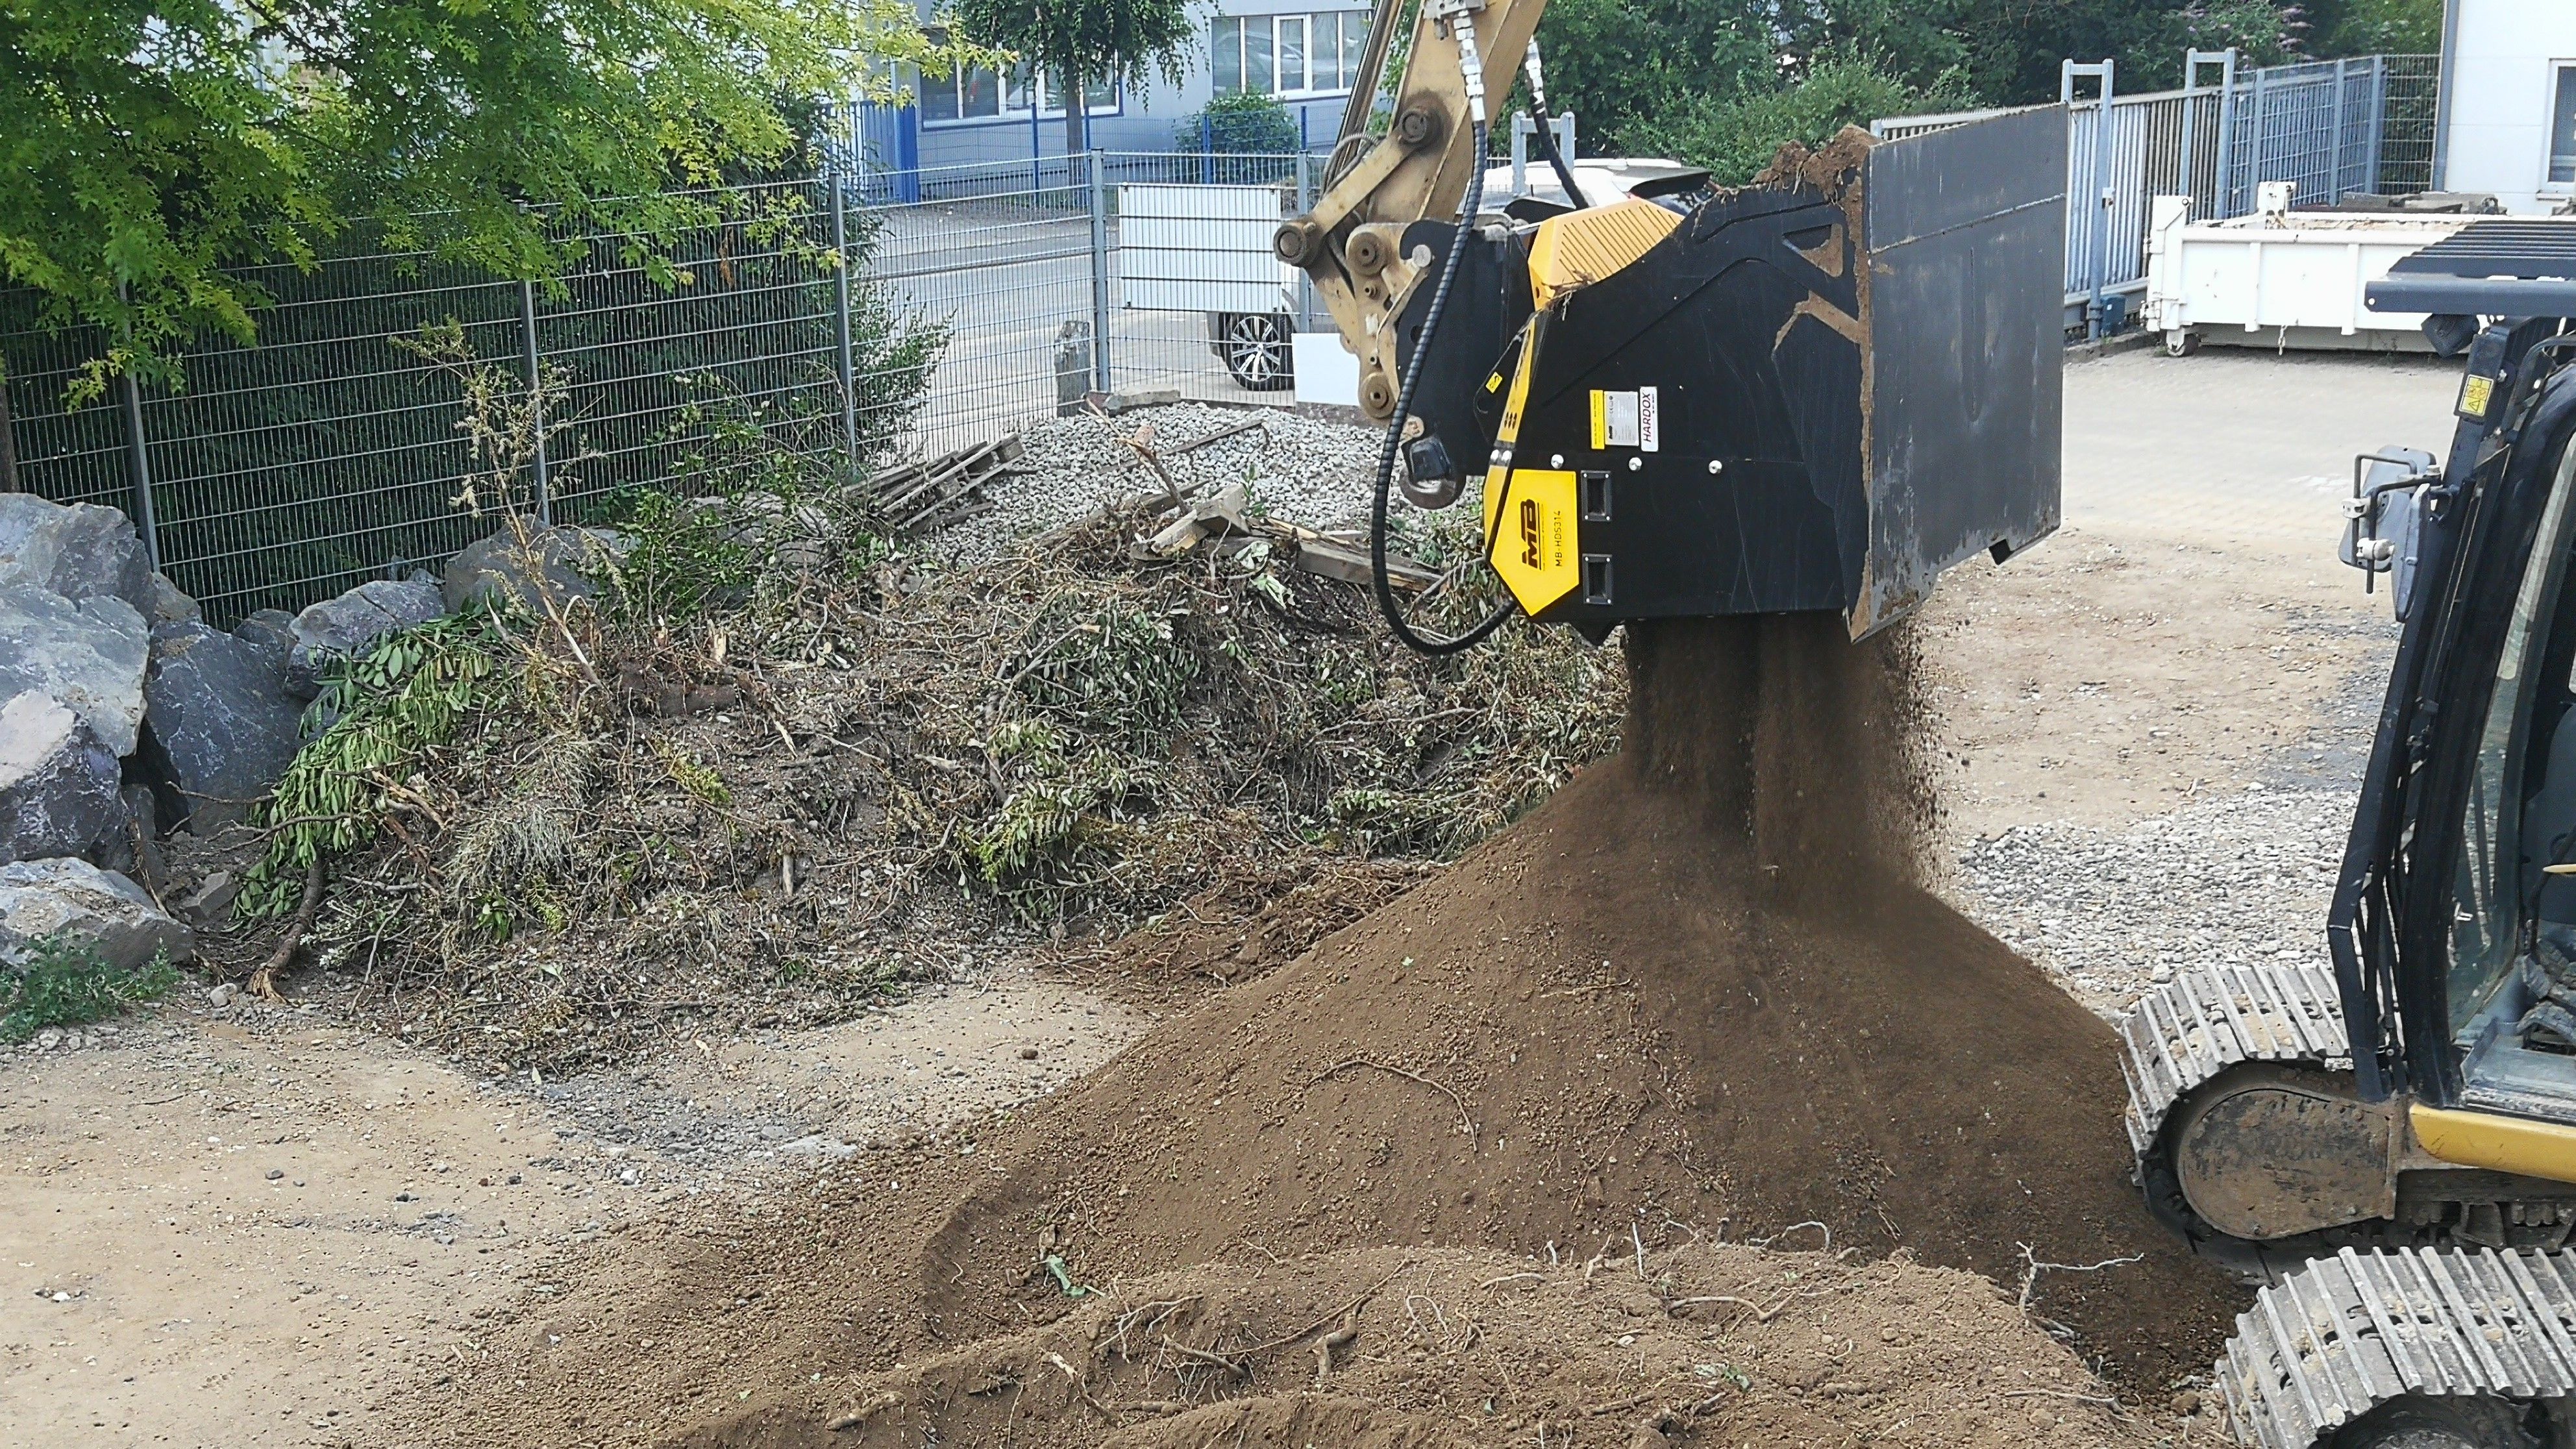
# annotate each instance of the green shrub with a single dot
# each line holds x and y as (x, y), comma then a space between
(1246, 123)
(67, 983)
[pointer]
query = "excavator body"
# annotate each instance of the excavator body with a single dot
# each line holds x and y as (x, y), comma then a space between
(2388, 1146)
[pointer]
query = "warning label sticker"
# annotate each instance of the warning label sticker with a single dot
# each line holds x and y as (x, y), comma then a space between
(1627, 419)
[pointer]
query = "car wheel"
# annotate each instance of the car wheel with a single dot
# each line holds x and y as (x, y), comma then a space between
(1256, 351)
(2418, 1422)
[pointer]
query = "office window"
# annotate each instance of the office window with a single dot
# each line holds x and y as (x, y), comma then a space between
(1287, 55)
(2562, 124)
(1226, 55)
(975, 93)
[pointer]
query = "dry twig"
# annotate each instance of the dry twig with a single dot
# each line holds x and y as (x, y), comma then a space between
(1464, 1119)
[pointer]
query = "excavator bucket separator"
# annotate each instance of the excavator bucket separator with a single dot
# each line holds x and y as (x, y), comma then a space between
(1815, 393)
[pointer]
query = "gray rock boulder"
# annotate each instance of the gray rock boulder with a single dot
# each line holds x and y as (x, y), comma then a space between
(563, 557)
(223, 728)
(345, 626)
(98, 908)
(89, 653)
(77, 550)
(272, 633)
(169, 606)
(58, 784)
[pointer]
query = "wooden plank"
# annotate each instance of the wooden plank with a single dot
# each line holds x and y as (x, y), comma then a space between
(1351, 566)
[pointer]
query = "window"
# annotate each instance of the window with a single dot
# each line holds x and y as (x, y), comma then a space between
(2562, 124)
(975, 93)
(1287, 55)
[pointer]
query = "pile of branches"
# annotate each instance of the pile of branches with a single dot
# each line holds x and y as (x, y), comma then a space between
(580, 827)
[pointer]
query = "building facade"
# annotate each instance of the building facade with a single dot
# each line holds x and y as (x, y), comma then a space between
(1302, 51)
(2508, 101)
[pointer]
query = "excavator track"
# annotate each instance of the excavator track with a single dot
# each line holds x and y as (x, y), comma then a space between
(2215, 1018)
(2338, 1338)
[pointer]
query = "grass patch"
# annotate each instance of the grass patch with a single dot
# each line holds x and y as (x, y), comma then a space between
(67, 983)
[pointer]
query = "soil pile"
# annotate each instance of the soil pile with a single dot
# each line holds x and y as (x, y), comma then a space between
(1699, 997)
(1394, 1347)
(1701, 985)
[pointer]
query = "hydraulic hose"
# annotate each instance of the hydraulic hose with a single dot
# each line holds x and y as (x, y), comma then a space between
(1556, 161)
(1379, 584)
(1547, 146)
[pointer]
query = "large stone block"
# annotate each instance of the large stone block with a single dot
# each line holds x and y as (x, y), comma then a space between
(345, 626)
(77, 550)
(97, 908)
(223, 728)
(89, 653)
(58, 784)
(559, 557)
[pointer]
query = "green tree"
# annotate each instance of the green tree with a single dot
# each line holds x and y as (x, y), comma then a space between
(1736, 136)
(1619, 63)
(150, 150)
(1081, 43)
(2369, 27)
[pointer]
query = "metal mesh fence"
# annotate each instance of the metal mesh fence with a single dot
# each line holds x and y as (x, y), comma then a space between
(329, 452)
(2329, 127)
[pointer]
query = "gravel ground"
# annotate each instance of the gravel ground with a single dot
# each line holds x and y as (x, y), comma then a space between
(1304, 469)
(2236, 879)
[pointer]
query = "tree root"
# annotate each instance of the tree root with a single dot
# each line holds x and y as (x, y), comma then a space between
(263, 982)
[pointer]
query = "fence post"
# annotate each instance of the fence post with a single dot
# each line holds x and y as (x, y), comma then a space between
(2378, 115)
(145, 521)
(2334, 167)
(2226, 206)
(2262, 128)
(536, 399)
(1305, 281)
(2104, 192)
(1207, 149)
(841, 320)
(8, 438)
(1099, 272)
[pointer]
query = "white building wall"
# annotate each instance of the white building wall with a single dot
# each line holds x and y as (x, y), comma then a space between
(2499, 77)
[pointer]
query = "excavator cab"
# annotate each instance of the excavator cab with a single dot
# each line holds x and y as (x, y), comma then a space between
(2389, 1147)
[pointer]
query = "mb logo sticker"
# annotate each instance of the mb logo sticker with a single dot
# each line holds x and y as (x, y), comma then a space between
(1529, 532)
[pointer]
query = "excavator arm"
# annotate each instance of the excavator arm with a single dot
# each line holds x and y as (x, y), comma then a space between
(1463, 52)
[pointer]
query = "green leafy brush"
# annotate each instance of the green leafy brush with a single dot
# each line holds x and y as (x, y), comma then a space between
(380, 712)
(67, 983)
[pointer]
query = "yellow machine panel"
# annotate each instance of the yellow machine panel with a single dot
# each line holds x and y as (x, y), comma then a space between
(2497, 1143)
(1536, 549)
(1579, 248)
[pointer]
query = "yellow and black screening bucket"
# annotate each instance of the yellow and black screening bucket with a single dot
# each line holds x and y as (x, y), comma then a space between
(1819, 392)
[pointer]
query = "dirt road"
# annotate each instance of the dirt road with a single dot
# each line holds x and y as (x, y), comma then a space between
(259, 1228)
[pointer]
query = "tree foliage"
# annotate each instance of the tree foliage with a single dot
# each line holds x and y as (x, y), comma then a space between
(1641, 70)
(152, 149)
(1735, 136)
(1087, 41)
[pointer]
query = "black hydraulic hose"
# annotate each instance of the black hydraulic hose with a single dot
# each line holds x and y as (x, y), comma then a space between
(1555, 155)
(1379, 585)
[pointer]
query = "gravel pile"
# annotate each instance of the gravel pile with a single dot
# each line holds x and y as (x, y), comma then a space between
(1303, 469)
(2238, 879)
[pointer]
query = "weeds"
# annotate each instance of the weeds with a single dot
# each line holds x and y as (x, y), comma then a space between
(68, 983)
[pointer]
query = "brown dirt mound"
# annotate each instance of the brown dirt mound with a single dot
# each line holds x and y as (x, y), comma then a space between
(1699, 994)
(1454, 1347)
(1699, 985)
